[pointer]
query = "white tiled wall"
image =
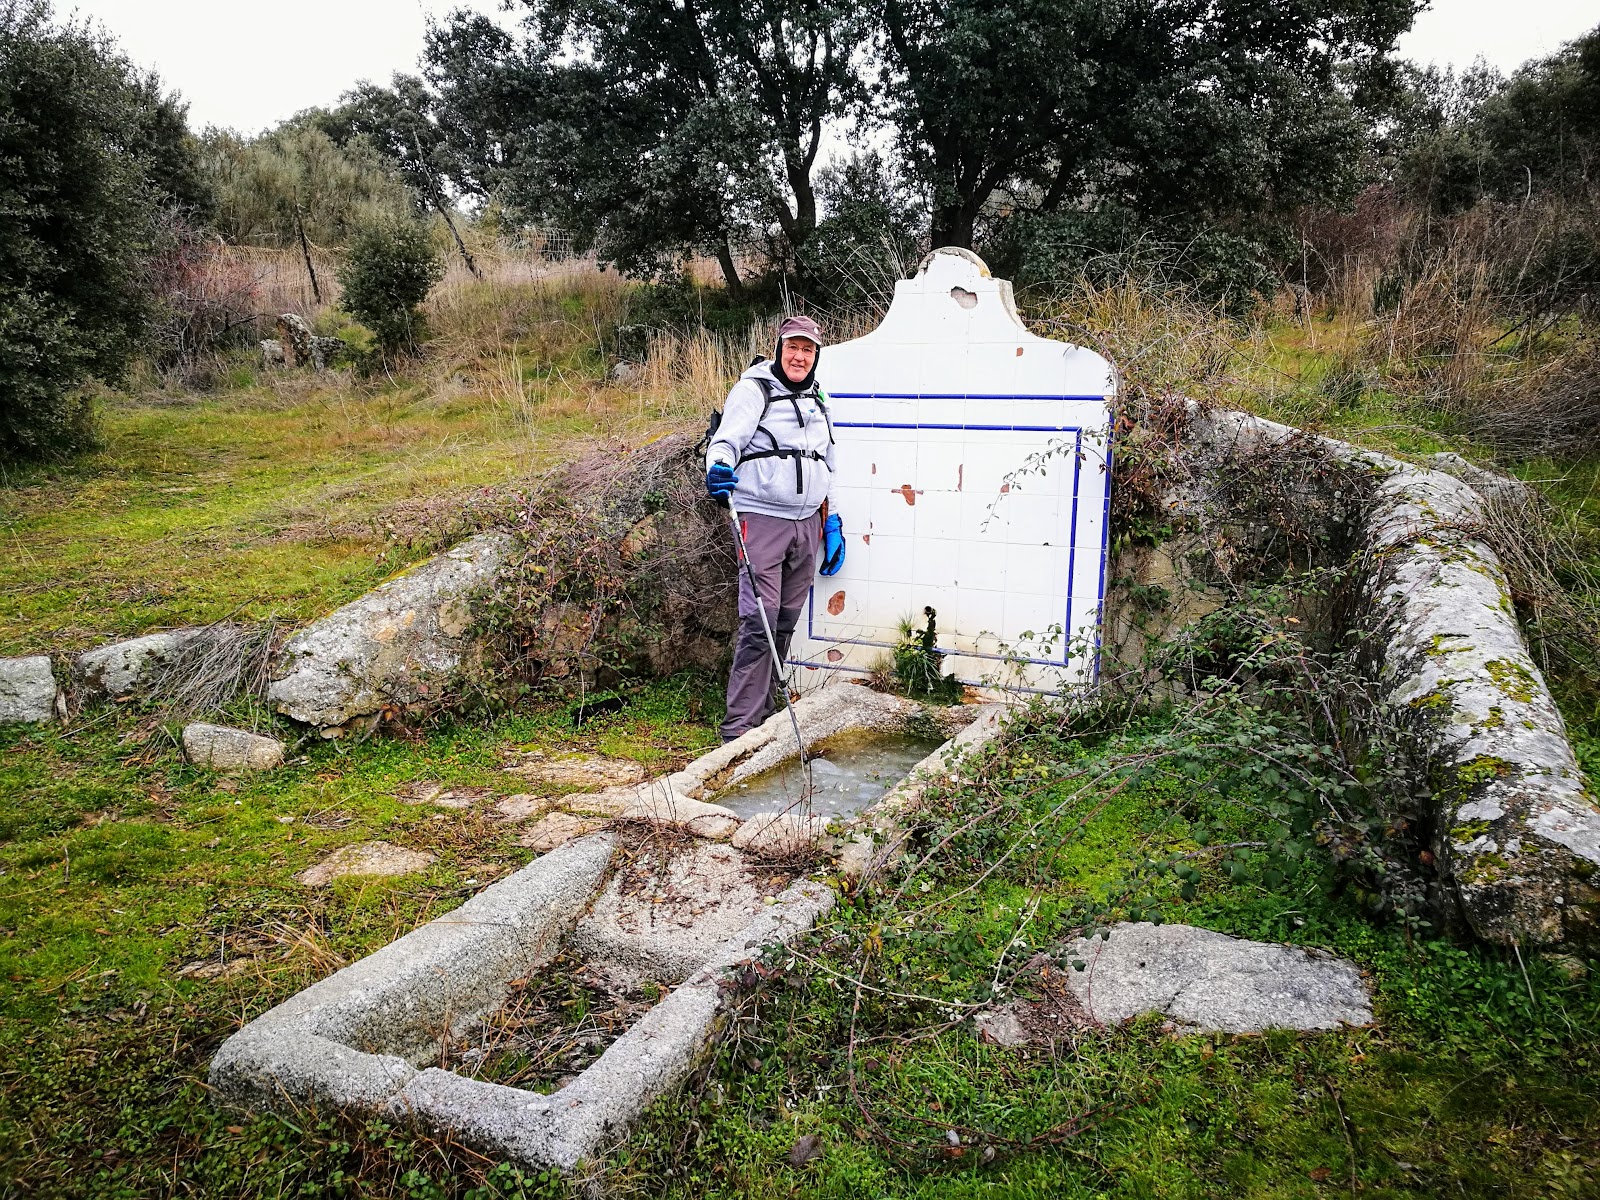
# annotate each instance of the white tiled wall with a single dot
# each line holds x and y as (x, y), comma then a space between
(999, 529)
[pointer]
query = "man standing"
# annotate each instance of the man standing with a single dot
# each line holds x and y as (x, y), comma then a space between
(772, 454)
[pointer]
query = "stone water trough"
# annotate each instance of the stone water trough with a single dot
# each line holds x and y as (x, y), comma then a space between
(1515, 830)
(679, 897)
(675, 896)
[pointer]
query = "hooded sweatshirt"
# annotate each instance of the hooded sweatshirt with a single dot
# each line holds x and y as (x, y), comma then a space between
(767, 485)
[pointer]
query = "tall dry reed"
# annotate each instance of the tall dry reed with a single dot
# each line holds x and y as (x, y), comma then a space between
(1161, 341)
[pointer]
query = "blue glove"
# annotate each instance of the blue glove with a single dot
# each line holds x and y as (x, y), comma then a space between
(720, 480)
(832, 545)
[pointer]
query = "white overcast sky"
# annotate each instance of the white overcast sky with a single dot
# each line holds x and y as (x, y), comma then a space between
(248, 67)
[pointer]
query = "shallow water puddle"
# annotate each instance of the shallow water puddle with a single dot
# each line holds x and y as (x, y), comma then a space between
(850, 774)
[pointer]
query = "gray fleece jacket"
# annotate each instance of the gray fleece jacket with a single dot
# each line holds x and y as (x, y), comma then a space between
(768, 485)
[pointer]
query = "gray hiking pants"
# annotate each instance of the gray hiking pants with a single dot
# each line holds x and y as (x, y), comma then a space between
(783, 555)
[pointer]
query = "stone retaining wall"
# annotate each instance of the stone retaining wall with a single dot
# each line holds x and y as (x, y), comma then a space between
(1517, 833)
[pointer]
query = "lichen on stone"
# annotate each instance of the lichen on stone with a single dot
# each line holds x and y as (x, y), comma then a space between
(1431, 701)
(1512, 678)
(1485, 868)
(1482, 769)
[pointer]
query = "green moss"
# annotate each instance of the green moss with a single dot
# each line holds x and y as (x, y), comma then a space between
(1485, 868)
(1438, 648)
(1512, 678)
(1469, 830)
(1482, 769)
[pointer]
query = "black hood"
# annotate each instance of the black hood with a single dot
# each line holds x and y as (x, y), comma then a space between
(782, 376)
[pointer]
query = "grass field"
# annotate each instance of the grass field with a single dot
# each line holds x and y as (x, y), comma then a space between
(278, 493)
(148, 908)
(124, 869)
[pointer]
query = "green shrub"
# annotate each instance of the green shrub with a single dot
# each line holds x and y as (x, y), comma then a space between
(390, 268)
(92, 150)
(871, 236)
(1105, 244)
(359, 343)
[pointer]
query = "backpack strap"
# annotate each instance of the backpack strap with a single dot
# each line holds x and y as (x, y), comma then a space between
(777, 451)
(822, 403)
(713, 423)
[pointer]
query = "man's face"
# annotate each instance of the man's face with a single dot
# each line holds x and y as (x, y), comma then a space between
(796, 357)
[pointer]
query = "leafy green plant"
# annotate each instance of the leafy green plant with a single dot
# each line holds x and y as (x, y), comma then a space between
(919, 664)
(391, 267)
(359, 342)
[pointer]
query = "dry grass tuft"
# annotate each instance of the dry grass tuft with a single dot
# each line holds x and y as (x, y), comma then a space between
(1158, 342)
(546, 318)
(693, 371)
(1474, 321)
(229, 660)
(1432, 341)
(1551, 408)
(1554, 578)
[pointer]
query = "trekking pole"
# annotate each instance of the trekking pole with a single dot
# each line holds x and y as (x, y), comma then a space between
(777, 659)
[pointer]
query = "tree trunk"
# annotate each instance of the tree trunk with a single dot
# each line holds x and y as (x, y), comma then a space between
(466, 255)
(438, 203)
(305, 250)
(952, 226)
(804, 222)
(730, 272)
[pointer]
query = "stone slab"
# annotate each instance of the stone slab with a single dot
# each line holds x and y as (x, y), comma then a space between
(362, 1038)
(365, 858)
(524, 806)
(387, 1012)
(664, 913)
(404, 643)
(577, 772)
(437, 794)
(1493, 486)
(129, 667)
(226, 749)
(662, 804)
(612, 802)
(27, 690)
(1518, 834)
(780, 835)
(557, 829)
(1205, 980)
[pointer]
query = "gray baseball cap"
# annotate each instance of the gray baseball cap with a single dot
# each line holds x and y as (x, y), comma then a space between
(800, 327)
